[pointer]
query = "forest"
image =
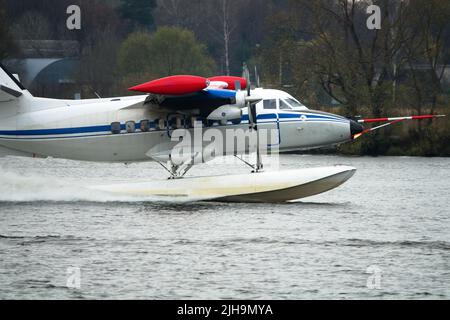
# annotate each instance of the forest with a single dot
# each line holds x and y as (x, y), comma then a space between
(321, 51)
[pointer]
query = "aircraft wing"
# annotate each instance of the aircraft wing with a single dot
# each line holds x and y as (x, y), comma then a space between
(182, 93)
(205, 100)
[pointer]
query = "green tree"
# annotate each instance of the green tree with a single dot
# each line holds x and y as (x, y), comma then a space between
(176, 51)
(134, 54)
(169, 51)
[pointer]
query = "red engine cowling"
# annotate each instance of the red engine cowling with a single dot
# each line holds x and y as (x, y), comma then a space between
(174, 85)
(231, 81)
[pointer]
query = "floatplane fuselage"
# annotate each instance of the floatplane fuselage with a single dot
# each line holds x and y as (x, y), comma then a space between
(125, 129)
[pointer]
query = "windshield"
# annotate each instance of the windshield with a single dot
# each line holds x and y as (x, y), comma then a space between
(295, 103)
(284, 105)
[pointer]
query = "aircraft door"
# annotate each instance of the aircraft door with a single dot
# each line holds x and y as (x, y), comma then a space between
(290, 124)
(268, 119)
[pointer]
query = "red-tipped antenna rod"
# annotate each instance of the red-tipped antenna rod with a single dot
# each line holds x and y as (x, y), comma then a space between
(391, 121)
(400, 118)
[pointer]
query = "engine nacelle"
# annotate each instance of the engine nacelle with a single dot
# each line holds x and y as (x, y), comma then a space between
(241, 99)
(226, 113)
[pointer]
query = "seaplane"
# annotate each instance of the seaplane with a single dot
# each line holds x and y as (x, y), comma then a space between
(179, 122)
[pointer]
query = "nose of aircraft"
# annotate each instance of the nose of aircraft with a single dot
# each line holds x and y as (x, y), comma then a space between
(355, 128)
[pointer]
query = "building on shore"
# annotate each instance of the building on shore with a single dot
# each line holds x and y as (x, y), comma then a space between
(48, 67)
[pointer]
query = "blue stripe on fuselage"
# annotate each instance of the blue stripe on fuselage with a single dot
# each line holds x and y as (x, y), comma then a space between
(107, 128)
(43, 132)
(297, 116)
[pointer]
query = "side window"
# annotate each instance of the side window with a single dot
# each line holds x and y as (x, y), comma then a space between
(131, 126)
(270, 104)
(161, 124)
(116, 127)
(284, 105)
(145, 125)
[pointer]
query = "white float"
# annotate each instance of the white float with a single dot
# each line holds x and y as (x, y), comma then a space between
(268, 187)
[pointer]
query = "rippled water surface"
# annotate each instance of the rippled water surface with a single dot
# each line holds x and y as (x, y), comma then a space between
(384, 234)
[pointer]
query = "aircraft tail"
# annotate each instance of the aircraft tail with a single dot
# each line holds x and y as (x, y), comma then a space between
(14, 97)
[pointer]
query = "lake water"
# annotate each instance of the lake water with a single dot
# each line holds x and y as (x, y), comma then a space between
(384, 234)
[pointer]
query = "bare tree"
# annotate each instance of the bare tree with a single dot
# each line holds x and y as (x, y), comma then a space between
(352, 63)
(7, 45)
(188, 14)
(223, 22)
(231, 29)
(32, 26)
(172, 12)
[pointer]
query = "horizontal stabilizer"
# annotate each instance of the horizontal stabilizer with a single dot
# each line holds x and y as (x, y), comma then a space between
(10, 91)
(8, 80)
(10, 87)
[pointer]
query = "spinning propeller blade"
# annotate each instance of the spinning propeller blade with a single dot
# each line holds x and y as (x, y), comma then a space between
(251, 105)
(251, 102)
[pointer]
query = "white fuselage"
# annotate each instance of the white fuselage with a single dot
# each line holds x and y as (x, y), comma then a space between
(84, 129)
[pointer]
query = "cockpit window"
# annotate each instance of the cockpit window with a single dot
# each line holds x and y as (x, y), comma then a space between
(284, 105)
(295, 103)
(270, 104)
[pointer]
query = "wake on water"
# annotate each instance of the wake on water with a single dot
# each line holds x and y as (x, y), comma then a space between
(58, 180)
(31, 186)
(15, 187)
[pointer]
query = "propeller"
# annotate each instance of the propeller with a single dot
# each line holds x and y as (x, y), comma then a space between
(253, 119)
(251, 103)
